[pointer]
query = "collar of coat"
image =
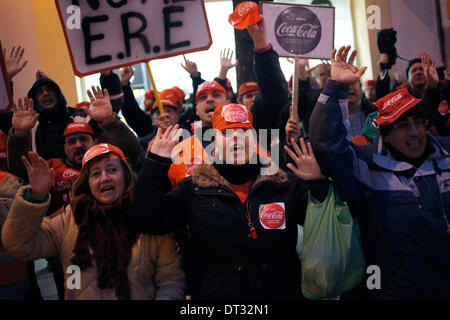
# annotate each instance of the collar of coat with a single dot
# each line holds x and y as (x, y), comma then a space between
(205, 175)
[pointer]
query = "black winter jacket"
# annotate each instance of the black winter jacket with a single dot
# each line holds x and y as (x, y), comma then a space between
(228, 263)
(52, 123)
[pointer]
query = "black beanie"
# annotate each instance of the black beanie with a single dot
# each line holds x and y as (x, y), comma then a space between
(416, 60)
(111, 82)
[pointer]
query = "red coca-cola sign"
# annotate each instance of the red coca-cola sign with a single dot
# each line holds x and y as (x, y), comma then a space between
(298, 30)
(272, 215)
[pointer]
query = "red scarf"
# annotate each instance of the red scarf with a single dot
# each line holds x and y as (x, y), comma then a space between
(106, 230)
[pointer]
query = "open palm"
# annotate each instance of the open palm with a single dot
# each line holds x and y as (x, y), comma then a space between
(342, 70)
(24, 117)
(40, 175)
(306, 166)
(100, 109)
(13, 62)
(164, 143)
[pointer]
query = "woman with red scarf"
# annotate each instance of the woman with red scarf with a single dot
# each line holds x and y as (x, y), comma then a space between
(93, 234)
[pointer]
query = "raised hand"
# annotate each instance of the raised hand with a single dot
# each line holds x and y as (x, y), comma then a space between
(13, 64)
(165, 142)
(226, 55)
(40, 175)
(190, 67)
(125, 75)
(343, 71)
(429, 69)
(259, 35)
(100, 109)
(384, 58)
(306, 166)
(24, 118)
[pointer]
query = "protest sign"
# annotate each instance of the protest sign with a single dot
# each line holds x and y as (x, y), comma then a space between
(6, 100)
(105, 34)
(297, 30)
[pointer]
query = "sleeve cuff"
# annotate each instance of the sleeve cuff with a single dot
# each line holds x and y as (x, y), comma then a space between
(261, 50)
(155, 157)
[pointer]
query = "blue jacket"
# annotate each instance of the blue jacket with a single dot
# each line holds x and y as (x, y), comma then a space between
(403, 228)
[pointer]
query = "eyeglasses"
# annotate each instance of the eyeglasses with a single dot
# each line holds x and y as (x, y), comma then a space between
(406, 125)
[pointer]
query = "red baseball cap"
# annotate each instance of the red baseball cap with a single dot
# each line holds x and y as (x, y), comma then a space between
(247, 87)
(99, 149)
(78, 127)
(231, 116)
(369, 83)
(393, 105)
(180, 93)
(245, 14)
(150, 94)
(82, 104)
(168, 97)
(209, 86)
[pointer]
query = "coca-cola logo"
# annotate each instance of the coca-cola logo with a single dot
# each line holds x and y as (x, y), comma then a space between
(235, 113)
(245, 7)
(392, 100)
(69, 173)
(298, 30)
(272, 215)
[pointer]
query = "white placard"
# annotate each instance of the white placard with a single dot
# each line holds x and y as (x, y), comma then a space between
(298, 30)
(108, 34)
(6, 100)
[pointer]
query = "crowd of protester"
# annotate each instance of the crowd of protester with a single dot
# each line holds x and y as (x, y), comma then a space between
(110, 186)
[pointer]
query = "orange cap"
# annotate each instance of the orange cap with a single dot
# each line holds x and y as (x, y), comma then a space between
(99, 149)
(245, 14)
(231, 116)
(180, 93)
(393, 105)
(78, 127)
(209, 86)
(247, 87)
(168, 97)
(150, 94)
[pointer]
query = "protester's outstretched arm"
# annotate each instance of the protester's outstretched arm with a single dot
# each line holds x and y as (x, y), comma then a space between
(196, 76)
(273, 90)
(431, 92)
(382, 85)
(116, 131)
(136, 118)
(26, 233)
(19, 137)
(226, 57)
(328, 128)
(156, 209)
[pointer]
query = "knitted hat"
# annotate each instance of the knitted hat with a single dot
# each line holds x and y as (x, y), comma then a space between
(111, 82)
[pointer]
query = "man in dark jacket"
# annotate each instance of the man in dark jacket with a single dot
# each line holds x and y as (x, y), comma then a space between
(243, 222)
(398, 188)
(53, 118)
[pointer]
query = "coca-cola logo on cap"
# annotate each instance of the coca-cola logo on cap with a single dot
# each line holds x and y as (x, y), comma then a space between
(298, 30)
(235, 113)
